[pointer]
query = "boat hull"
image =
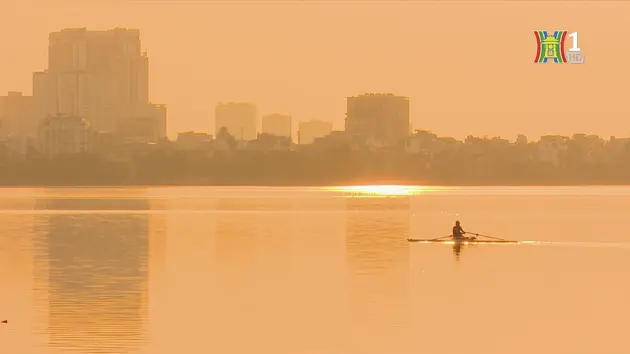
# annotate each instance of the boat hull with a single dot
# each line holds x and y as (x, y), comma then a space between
(464, 241)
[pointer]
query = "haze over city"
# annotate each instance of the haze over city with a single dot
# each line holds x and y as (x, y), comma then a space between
(314, 176)
(467, 68)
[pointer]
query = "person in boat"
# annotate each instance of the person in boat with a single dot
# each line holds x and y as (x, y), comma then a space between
(458, 232)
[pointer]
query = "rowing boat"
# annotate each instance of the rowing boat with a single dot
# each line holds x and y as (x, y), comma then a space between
(466, 241)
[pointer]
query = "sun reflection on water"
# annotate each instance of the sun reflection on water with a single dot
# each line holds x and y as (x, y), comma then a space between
(382, 190)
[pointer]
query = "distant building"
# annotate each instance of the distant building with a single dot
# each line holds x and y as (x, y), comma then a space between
(378, 119)
(277, 124)
(61, 135)
(485, 142)
(313, 129)
(104, 143)
(18, 145)
(590, 147)
(156, 113)
(619, 145)
(146, 122)
(18, 115)
(551, 148)
(116, 147)
(239, 118)
(521, 140)
(618, 148)
(130, 149)
(335, 138)
(421, 142)
(267, 142)
(99, 75)
(588, 142)
(192, 140)
(138, 128)
(45, 94)
(446, 145)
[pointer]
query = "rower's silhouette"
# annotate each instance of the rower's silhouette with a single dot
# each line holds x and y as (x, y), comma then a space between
(458, 232)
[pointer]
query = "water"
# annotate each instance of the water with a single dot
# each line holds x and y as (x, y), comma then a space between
(311, 271)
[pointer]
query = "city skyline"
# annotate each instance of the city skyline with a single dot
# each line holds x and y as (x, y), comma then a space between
(308, 73)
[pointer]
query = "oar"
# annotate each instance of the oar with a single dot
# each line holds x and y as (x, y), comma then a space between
(496, 238)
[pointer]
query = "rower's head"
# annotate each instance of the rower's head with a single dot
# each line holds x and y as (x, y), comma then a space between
(457, 223)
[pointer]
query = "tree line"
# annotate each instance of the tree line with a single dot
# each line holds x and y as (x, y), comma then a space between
(330, 165)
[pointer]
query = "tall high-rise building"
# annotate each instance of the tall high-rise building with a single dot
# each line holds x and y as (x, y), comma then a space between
(378, 119)
(239, 118)
(277, 124)
(309, 131)
(102, 76)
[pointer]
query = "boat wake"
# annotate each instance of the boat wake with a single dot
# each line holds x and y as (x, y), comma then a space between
(589, 244)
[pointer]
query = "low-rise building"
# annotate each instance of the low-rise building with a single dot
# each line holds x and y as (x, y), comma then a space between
(192, 140)
(115, 147)
(313, 129)
(277, 124)
(551, 148)
(421, 142)
(238, 118)
(335, 138)
(619, 146)
(141, 127)
(18, 115)
(63, 135)
(267, 142)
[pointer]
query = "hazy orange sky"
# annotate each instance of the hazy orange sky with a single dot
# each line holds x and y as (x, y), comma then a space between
(467, 65)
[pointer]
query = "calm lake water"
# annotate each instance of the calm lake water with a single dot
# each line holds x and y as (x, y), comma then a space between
(313, 271)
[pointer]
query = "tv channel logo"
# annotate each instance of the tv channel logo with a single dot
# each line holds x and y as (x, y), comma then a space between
(551, 47)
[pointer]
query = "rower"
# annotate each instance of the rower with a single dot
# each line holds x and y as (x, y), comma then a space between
(458, 232)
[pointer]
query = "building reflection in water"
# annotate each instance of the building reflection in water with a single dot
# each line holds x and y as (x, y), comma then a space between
(377, 255)
(96, 286)
(16, 272)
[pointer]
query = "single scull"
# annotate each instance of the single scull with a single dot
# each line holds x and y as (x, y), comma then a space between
(466, 241)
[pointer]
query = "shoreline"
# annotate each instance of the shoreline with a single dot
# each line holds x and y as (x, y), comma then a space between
(299, 185)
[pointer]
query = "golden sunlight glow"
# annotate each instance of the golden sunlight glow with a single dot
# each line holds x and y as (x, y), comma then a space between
(382, 190)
